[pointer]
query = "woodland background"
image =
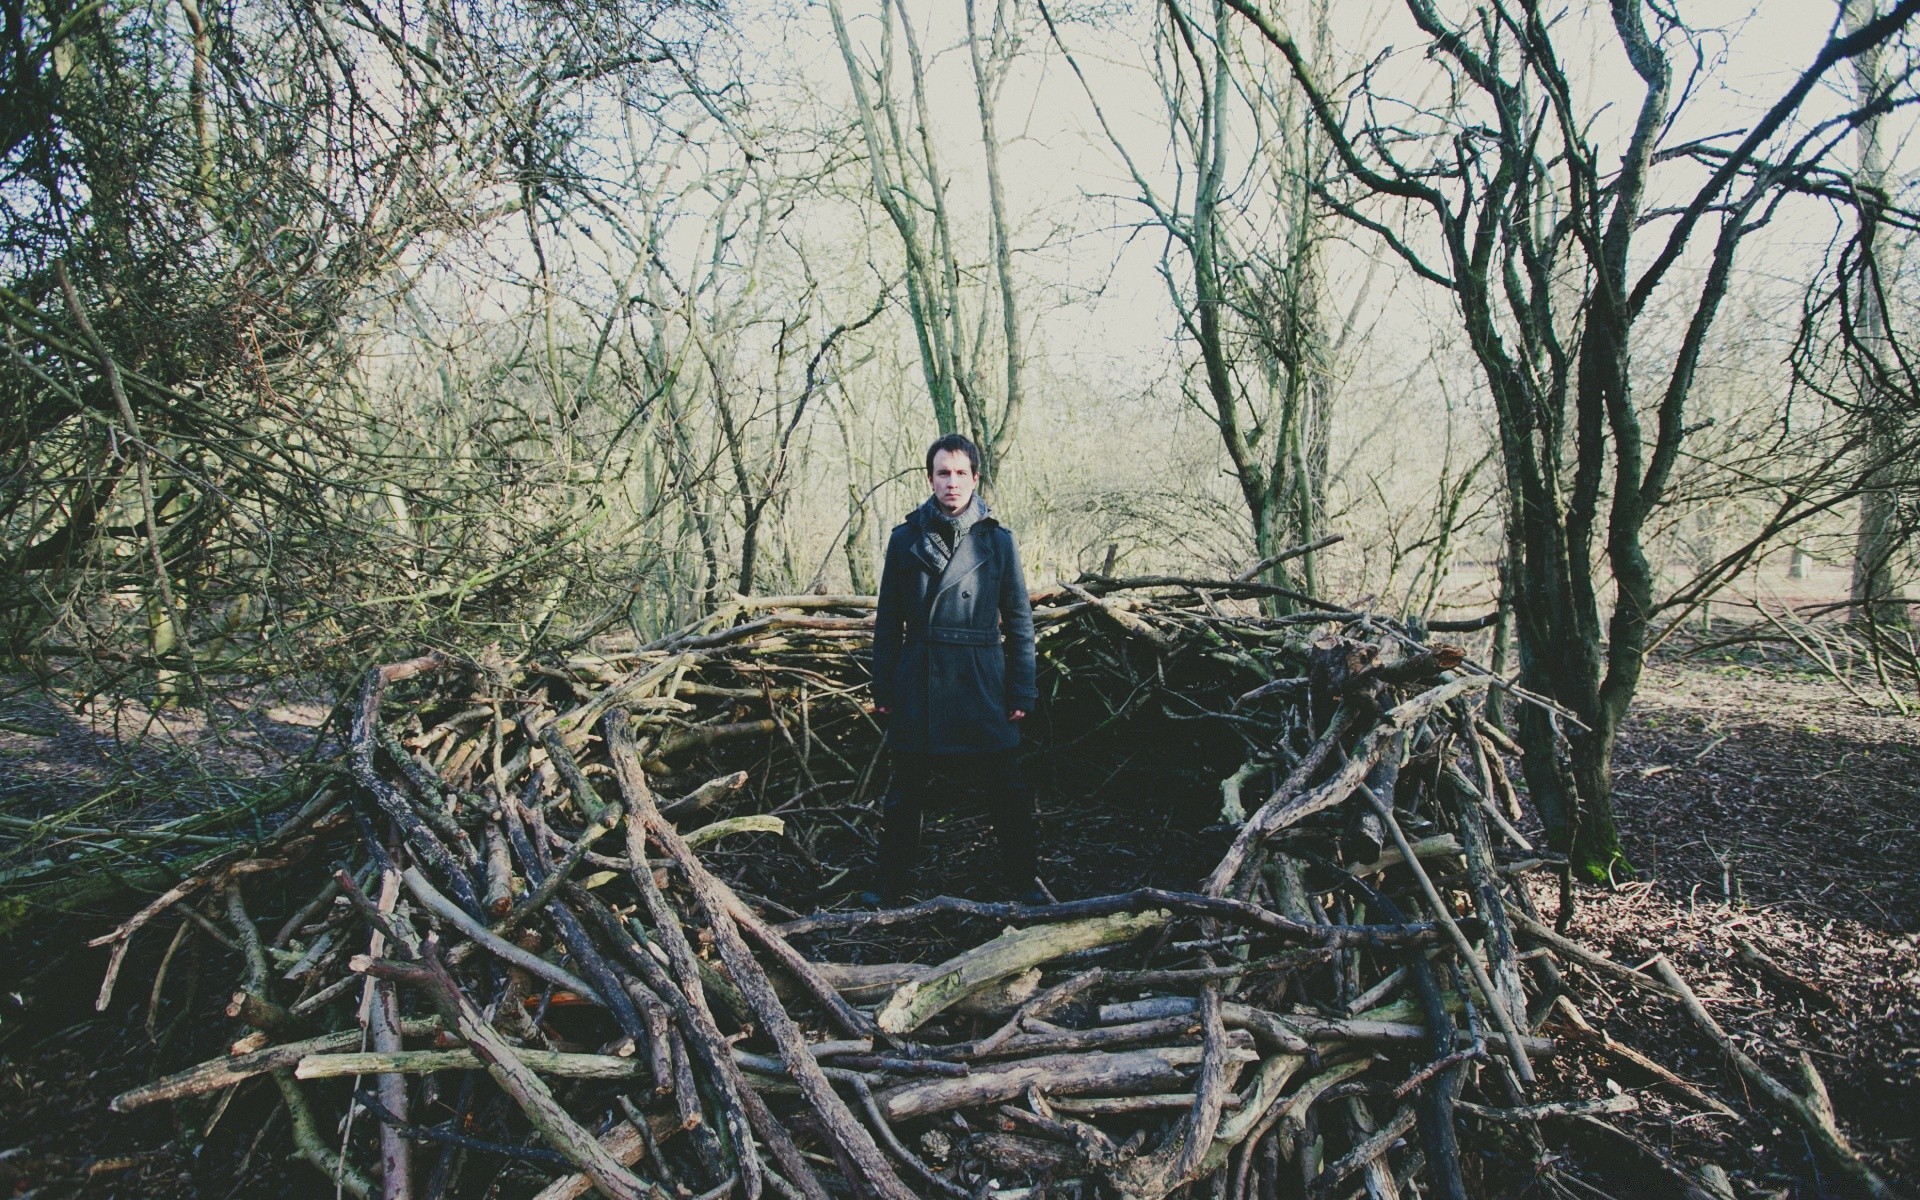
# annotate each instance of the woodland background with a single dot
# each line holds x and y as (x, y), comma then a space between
(541, 332)
(335, 329)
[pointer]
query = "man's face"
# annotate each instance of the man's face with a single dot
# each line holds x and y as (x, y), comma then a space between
(953, 479)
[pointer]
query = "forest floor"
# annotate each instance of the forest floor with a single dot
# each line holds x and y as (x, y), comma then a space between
(1766, 805)
(1762, 803)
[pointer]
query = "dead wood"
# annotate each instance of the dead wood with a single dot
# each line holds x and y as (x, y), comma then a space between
(644, 822)
(1063, 1074)
(534, 888)
(1585, 1032)
(872, 983)
(559, 1064)
(625, 1143)
(1364, 1154)
(1813, 1111)
(226, 1072)
(544, 1112)
(1552, 1109)
(1574, 951)
(1781, 978)
(1012, 953)
(1014, 1152)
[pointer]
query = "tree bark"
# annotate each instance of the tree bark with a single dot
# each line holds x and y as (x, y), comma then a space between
(1879, 538)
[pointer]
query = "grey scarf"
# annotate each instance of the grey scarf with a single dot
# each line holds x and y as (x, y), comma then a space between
(941, 533)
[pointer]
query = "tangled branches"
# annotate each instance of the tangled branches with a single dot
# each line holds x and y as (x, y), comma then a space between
(521, 910)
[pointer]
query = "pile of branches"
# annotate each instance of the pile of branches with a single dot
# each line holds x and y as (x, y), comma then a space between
(523, 970)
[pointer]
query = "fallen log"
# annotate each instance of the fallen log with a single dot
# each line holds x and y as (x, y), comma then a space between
(1012, 953)
(1063, 1074)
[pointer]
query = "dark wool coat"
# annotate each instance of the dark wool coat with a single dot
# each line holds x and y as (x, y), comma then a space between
(953, 649)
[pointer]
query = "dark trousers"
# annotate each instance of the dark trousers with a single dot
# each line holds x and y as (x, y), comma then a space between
(1009, 806)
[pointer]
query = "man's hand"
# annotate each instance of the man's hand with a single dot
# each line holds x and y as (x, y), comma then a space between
(1016, 714)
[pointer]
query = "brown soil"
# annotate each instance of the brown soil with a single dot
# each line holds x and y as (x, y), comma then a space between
(1769, 805)
(1761, 802)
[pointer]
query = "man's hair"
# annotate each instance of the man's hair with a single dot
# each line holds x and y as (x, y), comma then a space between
(955, 441)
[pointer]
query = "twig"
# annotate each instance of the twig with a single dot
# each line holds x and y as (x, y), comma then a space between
(1555, 1108)
(1291, 552)
(220, 1073)
(644, 821)
(1376, 1144)
(1501, 1017)
(528, 1091)
(1039, 1006)
(1597, 1037)
(1220, 908)
(449, 1137)
(1580, 954)
(539, 897)
(1813, 1111)
(446, 910)
(1752, 956)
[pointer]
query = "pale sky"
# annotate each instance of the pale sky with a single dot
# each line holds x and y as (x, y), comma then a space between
(1067, 186)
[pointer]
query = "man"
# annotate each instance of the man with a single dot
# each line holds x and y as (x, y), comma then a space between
(953, 668)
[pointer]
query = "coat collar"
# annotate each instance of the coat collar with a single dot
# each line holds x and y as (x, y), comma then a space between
(967, 551)
(967, 556)
(918, 517)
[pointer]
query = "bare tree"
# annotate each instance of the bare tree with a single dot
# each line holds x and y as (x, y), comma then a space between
(1504, 198)
(198, 204)
(1879, 540)
(1244, 268)
(950, 315)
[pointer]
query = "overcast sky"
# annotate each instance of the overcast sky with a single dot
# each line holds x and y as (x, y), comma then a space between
(1075, 204)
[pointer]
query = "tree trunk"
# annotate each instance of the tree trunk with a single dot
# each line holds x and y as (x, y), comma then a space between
(1500, 656)
(1556, 612)
(749, 545)
(857, 544)
(1878, 540)
(987, 74)
(1878, 599)
(859, 550)
(1568, 769)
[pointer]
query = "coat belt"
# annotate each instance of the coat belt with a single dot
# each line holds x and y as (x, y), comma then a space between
(961, 637)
